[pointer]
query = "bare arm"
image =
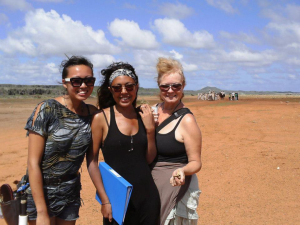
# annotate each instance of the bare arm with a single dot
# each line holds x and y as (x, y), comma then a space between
(92, 163)
(149, 124)
(192, 139)
(36, 146)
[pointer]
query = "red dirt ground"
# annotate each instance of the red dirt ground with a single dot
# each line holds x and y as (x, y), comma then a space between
(250, 155)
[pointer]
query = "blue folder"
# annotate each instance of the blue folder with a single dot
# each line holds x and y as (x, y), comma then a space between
(118, 191)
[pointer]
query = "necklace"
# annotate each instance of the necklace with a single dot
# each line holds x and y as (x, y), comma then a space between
(163, 107)
(82, 109)
(131, 144)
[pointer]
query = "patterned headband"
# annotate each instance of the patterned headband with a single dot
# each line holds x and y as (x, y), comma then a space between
(122, 72)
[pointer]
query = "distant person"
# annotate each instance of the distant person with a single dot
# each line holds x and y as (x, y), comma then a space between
(126, 137)
(232, 96)
(236, 95)
(179, 143)
(59, 136)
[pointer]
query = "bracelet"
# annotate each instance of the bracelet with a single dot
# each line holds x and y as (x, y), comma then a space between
(105, 203)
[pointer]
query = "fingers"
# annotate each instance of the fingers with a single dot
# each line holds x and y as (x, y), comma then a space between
(178, 178)
(145, 108)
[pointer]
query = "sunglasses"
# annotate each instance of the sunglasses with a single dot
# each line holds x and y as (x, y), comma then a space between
(119, 88)
(77, 81)
(166, 87)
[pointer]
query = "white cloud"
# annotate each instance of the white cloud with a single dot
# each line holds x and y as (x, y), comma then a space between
(186, 66)
(132, 35)
(248, 58)
(48, 33)
(175, 33)
(176, 11)
(225, 5)
(3, 18)
(21, 5)
(176, 55)
(292, 76)
(189, 67)
(294, 61)
(101, 61)
(52, 68)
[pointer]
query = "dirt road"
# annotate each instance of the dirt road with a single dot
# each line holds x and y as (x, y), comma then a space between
(250, 156)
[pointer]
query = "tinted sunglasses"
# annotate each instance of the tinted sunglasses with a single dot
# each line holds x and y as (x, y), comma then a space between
(166, 87)
(77, 81)
(118, 88)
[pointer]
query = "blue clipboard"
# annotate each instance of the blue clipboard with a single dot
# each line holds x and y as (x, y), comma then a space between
(118, 191)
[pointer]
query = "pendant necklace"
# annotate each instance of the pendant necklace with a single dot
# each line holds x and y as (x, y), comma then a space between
(131, 144)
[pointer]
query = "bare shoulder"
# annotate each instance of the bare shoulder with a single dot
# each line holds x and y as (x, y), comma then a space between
(92, 109)
(189, 121)
(100, 116)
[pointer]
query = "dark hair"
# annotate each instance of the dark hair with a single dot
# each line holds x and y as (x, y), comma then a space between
(74, 61)
(105, 98)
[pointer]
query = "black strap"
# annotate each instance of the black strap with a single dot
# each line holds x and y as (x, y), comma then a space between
(175, 115)
(105, 117)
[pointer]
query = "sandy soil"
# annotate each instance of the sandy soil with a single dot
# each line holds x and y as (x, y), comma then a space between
(250, 156)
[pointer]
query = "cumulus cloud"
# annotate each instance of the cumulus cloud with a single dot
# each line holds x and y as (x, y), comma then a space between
(30, 72)
(176, 55)
(176, 11)
(175, 33)
(48, 33)
(132, 35)
(21, 5)
(225, 5)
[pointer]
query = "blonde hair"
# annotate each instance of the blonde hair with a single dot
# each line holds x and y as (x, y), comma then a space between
(166, 66)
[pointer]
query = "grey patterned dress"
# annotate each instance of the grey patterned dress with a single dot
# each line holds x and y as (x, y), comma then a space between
(67, 138)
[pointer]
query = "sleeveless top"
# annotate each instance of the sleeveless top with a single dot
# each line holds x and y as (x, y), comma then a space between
(169, 149)
(127, 156)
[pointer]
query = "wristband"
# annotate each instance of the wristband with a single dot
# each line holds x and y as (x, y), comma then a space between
(105, 203)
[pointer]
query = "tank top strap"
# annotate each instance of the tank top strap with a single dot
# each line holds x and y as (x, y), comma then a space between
(113, 122)
(178, 122)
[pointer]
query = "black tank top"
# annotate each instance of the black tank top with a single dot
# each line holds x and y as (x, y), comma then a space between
(169, 149)
(127, 156)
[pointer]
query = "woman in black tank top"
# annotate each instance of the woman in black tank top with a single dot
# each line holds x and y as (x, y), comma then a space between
(126, 137)
(178, 142)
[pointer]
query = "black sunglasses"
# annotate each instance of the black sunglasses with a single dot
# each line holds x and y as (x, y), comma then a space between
(77, 81)
(166, 87)
(118, 88)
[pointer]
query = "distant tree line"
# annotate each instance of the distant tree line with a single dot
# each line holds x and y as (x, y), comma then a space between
(31, 90)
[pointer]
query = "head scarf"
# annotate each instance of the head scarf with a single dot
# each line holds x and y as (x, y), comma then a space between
(122, 72)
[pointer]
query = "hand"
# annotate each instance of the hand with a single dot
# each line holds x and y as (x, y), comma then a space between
(107, 211)
(147, 117)
(178, 178)
(43, 219)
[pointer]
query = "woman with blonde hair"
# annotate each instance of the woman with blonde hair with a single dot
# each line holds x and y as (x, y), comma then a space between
(178, 142)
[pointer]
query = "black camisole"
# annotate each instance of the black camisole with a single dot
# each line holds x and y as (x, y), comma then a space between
(169, 149)
(127, 156)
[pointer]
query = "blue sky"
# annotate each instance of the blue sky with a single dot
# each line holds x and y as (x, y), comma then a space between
(229, 44)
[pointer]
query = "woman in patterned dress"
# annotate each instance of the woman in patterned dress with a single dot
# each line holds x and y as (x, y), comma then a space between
(59, 135)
